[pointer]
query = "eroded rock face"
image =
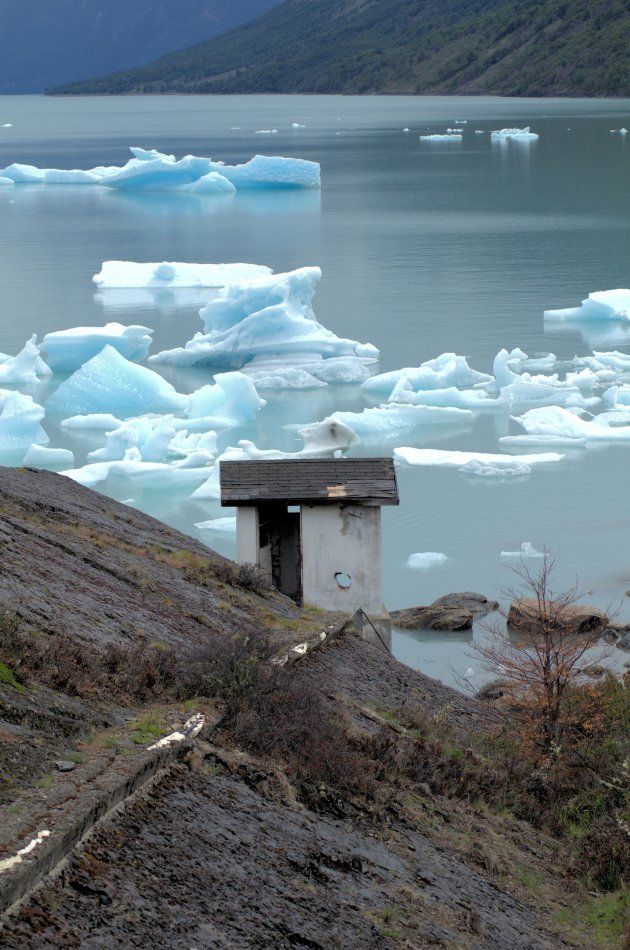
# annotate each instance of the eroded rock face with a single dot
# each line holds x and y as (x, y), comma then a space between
(450, 612)
(573, 619)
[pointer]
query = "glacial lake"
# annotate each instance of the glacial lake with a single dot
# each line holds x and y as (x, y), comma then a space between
(425, 248)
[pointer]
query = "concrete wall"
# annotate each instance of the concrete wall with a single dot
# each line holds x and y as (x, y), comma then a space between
(342, 540)
(247, 549)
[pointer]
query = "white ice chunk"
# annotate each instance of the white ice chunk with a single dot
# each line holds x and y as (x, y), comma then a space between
(230, 401)
(327, 438)
(392, 422)
(600, 305)
(441, 137)
(272, 171)
(443, 372)
(557, 421)
(507, 469)
(110, 383)
(453, 459)
(52, 459)
(150, 436)
(25, 368)
(6, 182)
(174, 274)
(220, 525)
(527, 550)
(95, 420)
(20, 420)
(513, 135)
(472, 399)
(67, 350)
(159, 174)
(270, 316)
(425, 560)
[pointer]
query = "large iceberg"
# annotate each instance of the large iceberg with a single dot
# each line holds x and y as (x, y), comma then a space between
(600, 305)
(270, 317)
(150, 170)
(110, 383)
(173, 274)
(67, 350)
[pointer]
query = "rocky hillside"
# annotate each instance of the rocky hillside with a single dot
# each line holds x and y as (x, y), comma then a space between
(43, 44)
(339, 799)
(497, 47)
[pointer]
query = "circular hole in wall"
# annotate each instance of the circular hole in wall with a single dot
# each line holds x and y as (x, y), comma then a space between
(344, 580)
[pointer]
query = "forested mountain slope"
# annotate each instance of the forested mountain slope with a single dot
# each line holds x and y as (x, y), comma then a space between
(43, 43)
(503, 47)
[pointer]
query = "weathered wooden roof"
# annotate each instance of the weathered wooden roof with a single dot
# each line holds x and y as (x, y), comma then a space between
(309, 481)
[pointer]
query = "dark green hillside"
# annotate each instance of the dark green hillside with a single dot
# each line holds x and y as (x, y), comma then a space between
(502, 47)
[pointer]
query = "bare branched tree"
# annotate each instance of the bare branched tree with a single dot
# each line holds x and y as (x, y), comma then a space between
(542, 655)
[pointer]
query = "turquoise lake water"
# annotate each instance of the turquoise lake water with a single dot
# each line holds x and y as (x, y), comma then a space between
(425, 248)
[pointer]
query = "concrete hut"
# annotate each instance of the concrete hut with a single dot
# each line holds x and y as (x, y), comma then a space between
(314, 525)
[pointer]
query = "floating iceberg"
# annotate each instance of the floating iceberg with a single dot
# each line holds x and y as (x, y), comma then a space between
(557, 421)
(110, 383)
(392, 422)
(172, 274)
(442, 137)
(464, 460)
(230, 401)
(445, 371)
(67, 350)
(600, 305)
(426, 559)
(269, 317)
(95, 420)
(527, 550)
(513, 135)
(220, 525)
(38, 456)
(25, 368)
(150, 170)
(20, 427)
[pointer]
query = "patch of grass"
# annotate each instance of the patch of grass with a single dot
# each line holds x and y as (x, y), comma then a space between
(147, 728)
(7, 677)
(44, 782)
(607, 916)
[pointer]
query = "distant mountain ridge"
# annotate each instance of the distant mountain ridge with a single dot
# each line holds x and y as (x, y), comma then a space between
(47, 42)
(501, 47)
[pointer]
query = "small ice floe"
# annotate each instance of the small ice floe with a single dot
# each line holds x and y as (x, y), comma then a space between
(425, 560)
(442, 137)
(172, 275)
(474, 463)
(527, 550)
(266, 131)
(406, 129)
(7, 125)
(469, 673)
(297, 125)
(220, 525)
(513, 135)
